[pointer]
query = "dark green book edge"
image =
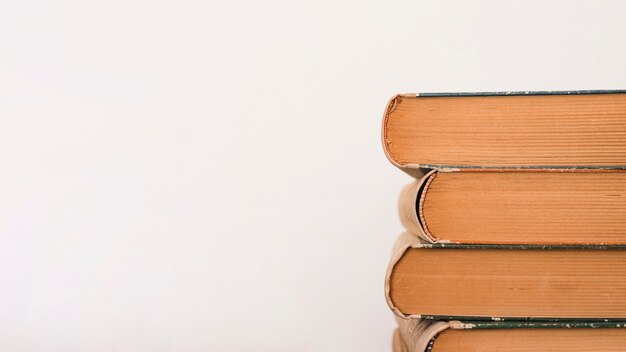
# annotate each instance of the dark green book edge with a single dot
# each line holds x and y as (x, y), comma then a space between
(526, 167)
(578, 324)
(530, 322)
(452, 246)
(519, 323)
(529, 92)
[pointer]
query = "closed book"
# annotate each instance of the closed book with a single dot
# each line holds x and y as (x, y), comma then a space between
(506, 130)
(517, 207)
(420, 335)
(506, 282)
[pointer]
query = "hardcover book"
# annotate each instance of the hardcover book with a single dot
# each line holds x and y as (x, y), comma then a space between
(506, 130)
(419, 335)
(506, 282)
(506, 207)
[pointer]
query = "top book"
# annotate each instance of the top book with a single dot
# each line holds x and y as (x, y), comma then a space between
(507, 130)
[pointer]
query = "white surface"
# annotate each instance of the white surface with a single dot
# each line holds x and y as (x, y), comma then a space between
(208, 175)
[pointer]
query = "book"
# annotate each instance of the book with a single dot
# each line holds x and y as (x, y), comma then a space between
(506, 130)
(513, 207)
(504, 282)
(419, 335)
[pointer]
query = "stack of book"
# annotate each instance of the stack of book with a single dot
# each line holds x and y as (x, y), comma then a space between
(516, 221)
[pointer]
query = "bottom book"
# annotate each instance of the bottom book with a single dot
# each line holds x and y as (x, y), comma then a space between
(420, 335)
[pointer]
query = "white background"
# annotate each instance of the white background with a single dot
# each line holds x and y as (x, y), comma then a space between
(208, 175)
